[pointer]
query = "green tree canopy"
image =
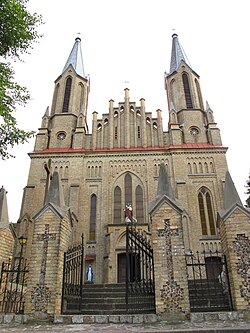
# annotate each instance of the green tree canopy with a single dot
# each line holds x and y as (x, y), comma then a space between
(248, 192)
(18, 32)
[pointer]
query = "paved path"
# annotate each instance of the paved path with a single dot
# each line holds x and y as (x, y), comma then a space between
(205, 327)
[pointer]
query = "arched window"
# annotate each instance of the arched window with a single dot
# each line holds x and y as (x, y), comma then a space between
(206, 212)
(187, 92)
(117, 205)
(92, 227)
(139, 204)
(128, 189)
(67, 95)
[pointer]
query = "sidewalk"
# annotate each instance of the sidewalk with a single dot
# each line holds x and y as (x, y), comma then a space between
(227, 322)
(218, 327)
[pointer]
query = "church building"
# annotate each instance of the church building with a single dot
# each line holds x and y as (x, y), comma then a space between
(175, 182)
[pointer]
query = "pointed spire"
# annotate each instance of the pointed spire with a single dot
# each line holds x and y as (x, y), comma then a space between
(55, 195)
(231, 196)
(177, 54)
(75, 58)
(208, 106)
(4, 216)
(164, 186)
(47, 112)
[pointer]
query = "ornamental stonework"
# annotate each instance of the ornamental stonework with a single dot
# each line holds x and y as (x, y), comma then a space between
(172, 295)
(40, 297)
(242, 249)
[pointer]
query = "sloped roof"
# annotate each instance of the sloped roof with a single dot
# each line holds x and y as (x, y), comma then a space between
(177, 54)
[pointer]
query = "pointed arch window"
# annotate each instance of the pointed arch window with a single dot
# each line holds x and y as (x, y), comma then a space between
(67, 95)
(187, 92)
(128, 189)
(92, 228)
(139, 204)
(206, 212)
(117, 205)
(128, 192)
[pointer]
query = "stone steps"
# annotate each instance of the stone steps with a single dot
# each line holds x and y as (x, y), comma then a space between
(207, 295)
(106, 299)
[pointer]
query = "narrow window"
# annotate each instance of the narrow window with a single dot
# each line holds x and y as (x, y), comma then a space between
(206, 212)
(138, 132)
(139, 204)
(210, 214)
(115, 132)
(92, 217)
(67, 95)
(202, 214)
(187, 93)
(128, 189)
(117, 205)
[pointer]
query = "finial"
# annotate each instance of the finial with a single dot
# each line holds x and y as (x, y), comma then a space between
(78, 39)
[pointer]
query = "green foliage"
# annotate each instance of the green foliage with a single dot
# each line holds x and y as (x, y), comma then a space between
(248, 192)
(17, 27)
(17, 34)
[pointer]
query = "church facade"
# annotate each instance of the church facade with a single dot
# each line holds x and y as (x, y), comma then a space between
(99, 173)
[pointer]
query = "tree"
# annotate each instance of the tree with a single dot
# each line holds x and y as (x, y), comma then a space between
(17, 34)
(248, 192)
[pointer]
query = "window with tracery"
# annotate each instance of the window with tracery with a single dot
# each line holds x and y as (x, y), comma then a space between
(128, 192)
(206, 212)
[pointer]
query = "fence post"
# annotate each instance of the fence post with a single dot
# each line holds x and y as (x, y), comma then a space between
(63, 283)
(81, 273)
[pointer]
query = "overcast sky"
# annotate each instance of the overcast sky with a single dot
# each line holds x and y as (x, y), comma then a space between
(130, 41)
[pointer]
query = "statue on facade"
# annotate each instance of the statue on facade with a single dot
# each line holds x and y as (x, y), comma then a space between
(90, 274)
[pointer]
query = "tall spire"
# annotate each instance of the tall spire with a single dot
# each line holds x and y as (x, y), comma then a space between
(177, 54)
(75, 58)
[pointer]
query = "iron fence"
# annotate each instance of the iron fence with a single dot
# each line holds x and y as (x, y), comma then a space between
(13, 286)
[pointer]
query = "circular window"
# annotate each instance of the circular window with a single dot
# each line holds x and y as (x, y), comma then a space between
(61, 135)
(194, 131)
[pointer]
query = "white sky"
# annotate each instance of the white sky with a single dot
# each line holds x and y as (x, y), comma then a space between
(131, 41)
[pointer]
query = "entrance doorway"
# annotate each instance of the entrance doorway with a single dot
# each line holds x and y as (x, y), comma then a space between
(121, 268)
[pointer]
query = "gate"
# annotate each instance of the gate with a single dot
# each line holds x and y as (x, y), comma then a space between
(208, 283)
(73, 279)
(13, 283)
(140, 290)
